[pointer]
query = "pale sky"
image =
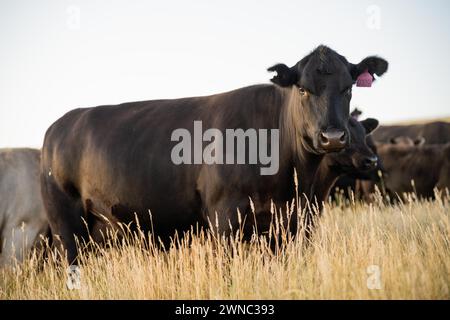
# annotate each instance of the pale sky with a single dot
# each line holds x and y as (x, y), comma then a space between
(56, 55)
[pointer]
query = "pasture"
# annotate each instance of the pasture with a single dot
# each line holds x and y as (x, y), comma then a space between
(237, 152)
(359, 251)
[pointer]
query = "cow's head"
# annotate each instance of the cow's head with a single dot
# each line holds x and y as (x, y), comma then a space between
(358, 157)
(407, 141)
(324, 80)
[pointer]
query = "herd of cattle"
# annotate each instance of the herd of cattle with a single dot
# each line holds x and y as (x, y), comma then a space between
(111, 164)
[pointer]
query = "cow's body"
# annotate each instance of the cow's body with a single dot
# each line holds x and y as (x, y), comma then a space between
(434, 132)
(427, 165)
(121, 164)
(22, 213)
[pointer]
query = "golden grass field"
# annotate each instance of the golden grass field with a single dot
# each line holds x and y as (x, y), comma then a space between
(359, 251)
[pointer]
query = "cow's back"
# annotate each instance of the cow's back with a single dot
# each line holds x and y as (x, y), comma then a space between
(117, 159)
(434, 132)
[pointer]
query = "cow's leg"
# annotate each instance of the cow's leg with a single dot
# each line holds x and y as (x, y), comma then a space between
(19, 235)
(65, 214)
(13, 243)
(223, 216)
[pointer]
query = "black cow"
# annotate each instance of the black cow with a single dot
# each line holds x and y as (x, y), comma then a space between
(358, 184)
(351, 183)
(357, 159)
(115, 161)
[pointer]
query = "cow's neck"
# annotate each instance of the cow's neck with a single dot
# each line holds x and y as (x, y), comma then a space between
(293, 151)
(324, 180)
(307, 167)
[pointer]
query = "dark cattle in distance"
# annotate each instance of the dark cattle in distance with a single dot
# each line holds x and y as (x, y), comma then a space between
(114, 161)
(433, 132)
(427, 165)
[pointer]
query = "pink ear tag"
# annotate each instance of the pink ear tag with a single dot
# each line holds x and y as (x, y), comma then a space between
(364, 80)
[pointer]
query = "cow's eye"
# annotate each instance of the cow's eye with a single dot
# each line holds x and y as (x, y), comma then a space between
(303, 91)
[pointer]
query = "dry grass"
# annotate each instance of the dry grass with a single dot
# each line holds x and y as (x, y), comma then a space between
(409, 244)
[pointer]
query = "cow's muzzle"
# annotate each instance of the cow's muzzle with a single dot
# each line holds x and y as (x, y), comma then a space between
(332, 140)
(370, 163)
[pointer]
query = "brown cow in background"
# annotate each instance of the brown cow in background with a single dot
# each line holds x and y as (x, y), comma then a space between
(22, 213)
(415, 168)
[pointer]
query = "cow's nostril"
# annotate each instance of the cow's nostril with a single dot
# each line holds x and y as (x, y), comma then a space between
(324, 139)
(332, 140)
(371, 161)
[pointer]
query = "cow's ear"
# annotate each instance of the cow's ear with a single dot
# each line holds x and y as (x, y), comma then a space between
(370, 124)
(355, 113)
(285, 76)
(420, 141)
(374, 65)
